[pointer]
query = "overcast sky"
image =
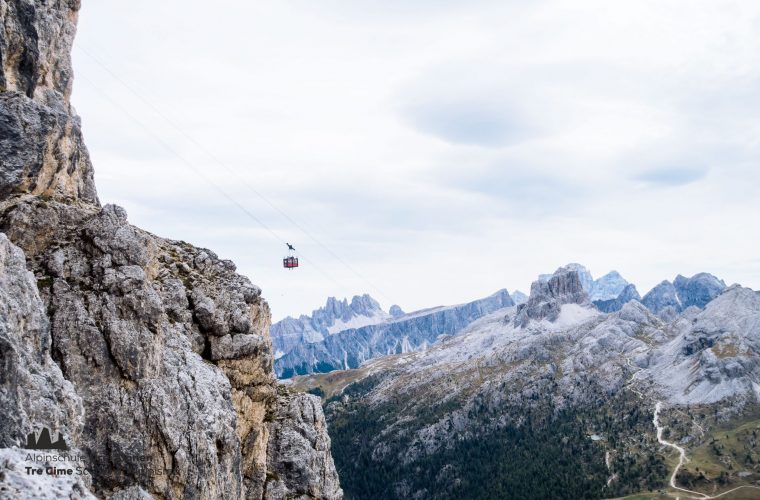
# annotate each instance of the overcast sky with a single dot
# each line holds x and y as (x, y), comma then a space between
(443, 149)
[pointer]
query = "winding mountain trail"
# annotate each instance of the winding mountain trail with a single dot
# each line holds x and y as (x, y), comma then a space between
(681, 452)
(682, 459)
(629, 382)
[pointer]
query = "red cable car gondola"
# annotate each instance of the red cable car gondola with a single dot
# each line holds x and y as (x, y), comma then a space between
(291, 261)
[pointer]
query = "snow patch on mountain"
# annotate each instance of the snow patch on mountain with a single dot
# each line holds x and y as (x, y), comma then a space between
(358, 322)
(573, 314)
(335, 316)
(608, 286)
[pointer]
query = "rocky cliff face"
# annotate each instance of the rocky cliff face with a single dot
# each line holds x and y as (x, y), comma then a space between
(661, 297)
(40, 137)
(547, 296)
(151, 357)
(411, 332)
(698, 290)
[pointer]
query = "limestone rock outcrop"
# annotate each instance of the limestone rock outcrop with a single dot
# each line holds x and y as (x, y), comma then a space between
(299, 460)
(335, 316)
(41, 144)
(548, 296)
(150, 356)
(33, 389)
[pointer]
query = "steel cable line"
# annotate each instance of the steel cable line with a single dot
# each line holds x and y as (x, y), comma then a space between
(216, 160)
(205, 178)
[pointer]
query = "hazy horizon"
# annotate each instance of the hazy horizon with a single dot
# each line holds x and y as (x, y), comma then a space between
(444, 150)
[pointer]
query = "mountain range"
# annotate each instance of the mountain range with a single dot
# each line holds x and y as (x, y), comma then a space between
(344, 334)
(335, 316)
(556, 398)
(382, 333)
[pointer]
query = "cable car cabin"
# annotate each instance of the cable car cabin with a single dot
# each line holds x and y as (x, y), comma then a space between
(290, 262)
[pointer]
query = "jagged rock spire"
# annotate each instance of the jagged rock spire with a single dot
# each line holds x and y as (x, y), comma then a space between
(548, 295)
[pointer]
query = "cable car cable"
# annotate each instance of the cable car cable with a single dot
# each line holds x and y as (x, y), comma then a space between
(229, 169)
(205, 178)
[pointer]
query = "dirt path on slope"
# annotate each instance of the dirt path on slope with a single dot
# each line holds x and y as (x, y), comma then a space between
(681, 452)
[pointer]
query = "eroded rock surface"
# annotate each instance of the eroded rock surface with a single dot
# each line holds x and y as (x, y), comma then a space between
(548, 295)
(33, 390)
(300, 464)
(152, 357)
(41, 144)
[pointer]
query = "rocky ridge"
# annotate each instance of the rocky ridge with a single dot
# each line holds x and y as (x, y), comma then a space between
(310, 345)
(669, 298)
(150, 356)
(335, 316)
(406, 333)
(628, 294)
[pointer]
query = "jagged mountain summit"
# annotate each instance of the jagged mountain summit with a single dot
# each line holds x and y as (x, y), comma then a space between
(628, 294)
(334, 317)
(552, 396)
(149, 357)
(396, 311)
(548, 295)
(682, 293)
(607, 287)
(414, 331)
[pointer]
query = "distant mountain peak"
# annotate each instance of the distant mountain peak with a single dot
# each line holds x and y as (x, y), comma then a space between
(519, 297)
(400, 333)
(683, 293)
(335, 316)
(627, 295)
(396, 311)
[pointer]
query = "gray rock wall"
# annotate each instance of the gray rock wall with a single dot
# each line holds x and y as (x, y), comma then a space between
(41, 142)
(548, 295)
(152, 357)
(298, 455)
(32, 390)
